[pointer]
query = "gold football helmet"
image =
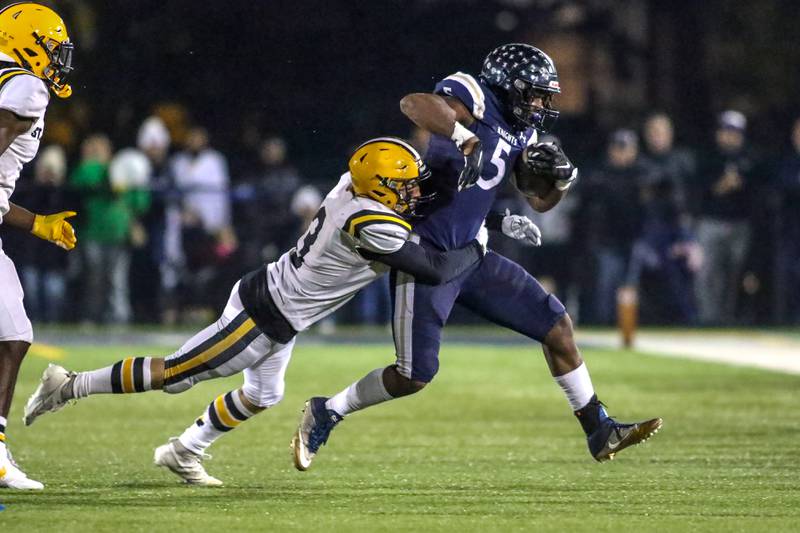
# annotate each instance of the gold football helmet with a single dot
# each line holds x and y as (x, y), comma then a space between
(390, 171)
(36, 38)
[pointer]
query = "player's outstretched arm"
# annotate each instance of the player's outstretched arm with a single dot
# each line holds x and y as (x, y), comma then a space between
(430, 266)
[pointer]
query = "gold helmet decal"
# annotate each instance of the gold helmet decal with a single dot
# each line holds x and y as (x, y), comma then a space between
(390, 171)
(36, 38)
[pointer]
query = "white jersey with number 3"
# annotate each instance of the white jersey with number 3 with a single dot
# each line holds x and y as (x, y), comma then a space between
(27, 97)
(325, 269)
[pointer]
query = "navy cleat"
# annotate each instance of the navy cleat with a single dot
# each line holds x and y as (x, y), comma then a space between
(315, 428)
(606, 437)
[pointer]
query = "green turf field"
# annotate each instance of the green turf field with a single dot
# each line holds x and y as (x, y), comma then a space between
(491, 445)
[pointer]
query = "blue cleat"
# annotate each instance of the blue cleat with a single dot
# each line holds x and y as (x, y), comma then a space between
(606, 436)
(315, 428)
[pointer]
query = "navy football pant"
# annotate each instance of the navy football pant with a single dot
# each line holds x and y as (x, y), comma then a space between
(495, 288)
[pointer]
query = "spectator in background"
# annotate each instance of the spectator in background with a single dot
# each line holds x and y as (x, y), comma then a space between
(611, 205)
(43, 267)
(162, 258)
(723, 225)
(665, 257)
(305, 204)
(109, 214)
(267, 226)
(787, 282)
(201, 176)
(665, 162)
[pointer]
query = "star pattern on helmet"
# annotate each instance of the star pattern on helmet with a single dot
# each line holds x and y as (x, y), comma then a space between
(511, 70)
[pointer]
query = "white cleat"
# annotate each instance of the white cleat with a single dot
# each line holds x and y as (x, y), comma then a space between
(184, 463)
(11, 477)
(53, 393)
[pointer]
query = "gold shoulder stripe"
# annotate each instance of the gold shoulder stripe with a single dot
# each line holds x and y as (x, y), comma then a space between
(475, 90)
(355, 224)
(10, 74)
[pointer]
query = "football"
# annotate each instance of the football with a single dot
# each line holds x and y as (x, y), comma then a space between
(529, 182)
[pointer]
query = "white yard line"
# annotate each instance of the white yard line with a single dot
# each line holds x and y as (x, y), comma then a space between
(771, 352)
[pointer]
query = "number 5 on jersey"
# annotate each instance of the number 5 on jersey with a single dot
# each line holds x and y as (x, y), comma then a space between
(501, 151)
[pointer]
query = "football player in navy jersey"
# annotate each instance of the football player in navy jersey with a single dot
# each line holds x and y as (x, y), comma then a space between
(479, 127)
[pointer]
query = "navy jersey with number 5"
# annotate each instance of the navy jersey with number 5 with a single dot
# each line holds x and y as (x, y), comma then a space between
(456, 217)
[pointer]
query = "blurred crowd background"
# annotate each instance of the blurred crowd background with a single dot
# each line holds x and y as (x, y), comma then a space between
(201, 139)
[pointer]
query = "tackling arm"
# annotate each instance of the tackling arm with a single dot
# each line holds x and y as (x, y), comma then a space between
(429, 266)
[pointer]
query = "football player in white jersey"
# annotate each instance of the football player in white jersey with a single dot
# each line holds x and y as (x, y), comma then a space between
(360, 231)
(35, 58)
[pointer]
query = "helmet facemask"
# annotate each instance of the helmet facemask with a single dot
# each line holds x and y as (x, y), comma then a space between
(523, 95)
(60, 56)
(409, 192)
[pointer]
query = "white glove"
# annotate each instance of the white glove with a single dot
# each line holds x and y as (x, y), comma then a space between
(522, 229)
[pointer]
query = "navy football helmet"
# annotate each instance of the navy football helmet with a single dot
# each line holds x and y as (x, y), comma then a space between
(519, 73)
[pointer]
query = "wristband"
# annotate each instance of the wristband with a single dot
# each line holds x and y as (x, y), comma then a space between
(461, 135)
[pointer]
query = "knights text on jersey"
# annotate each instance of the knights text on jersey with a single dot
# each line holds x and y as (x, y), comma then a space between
(26, 96)
(325, 269)
(456, 216)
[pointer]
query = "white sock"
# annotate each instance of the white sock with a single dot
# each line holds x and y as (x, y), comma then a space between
(577, 386)
(123, 377)
(365, 392)
(225, 413)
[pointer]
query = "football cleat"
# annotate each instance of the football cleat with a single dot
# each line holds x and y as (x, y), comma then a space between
(315, 427)
(11, 477)
(611, 436)
(184, 463)
(53, 393)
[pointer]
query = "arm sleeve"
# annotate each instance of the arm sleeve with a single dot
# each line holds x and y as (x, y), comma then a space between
(465, 88)
(24, 95)
(429, 266)
(378, 233)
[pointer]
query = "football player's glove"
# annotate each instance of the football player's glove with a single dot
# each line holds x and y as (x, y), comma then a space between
(547, 159)
(473, 164)
(56, 229)
(517, 227)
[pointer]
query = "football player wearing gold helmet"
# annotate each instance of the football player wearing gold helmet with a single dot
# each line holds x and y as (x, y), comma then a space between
(35, 58)
(362, 228)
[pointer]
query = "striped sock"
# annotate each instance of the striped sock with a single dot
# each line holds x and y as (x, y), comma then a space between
(123, 377)
(3, 423)
(222, 415)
